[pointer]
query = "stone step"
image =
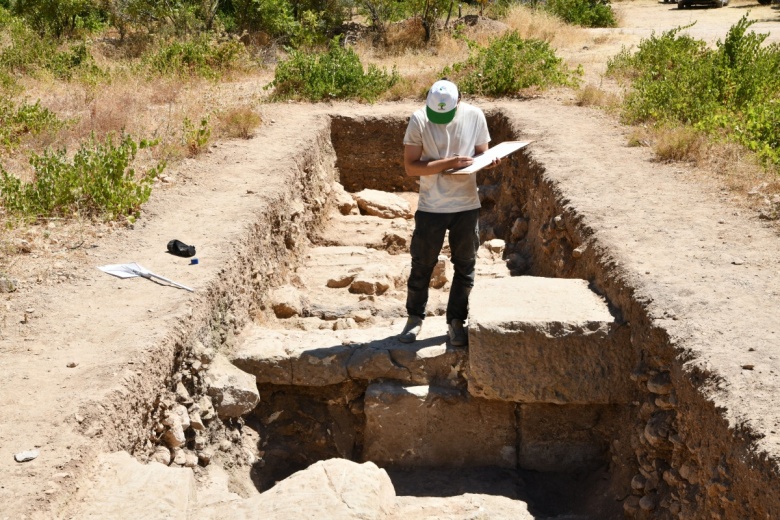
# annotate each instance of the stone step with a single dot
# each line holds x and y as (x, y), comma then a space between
(320, 358)
(430, 426)
(547, 340)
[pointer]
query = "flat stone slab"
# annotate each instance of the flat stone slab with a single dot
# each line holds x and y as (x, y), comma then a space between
(125, 489)
(320, 358)
(427, 426)
(335, 488)
(546, 340)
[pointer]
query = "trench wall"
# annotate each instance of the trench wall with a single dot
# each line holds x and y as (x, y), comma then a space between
(261, 259)
(689, 463)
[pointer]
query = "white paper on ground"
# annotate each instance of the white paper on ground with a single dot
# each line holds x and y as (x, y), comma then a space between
(497, 152)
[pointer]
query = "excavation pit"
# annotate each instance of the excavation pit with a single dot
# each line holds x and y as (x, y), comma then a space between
(335, 382)
(630, 429)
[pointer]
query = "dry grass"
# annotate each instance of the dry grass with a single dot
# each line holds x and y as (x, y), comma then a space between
(592, 96)
(532, 23)
(682, 144)
(239, 122)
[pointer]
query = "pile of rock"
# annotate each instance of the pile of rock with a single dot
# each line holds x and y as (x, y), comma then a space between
(184, 429)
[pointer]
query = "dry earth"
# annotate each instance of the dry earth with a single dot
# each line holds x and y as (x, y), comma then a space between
(73, 339)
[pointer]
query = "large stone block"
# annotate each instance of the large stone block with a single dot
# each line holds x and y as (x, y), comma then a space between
(425, 426)
(321, 358)
(125, 489)
(565, 438)
(546, 340)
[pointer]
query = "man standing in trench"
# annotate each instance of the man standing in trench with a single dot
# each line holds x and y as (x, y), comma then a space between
(440, 138)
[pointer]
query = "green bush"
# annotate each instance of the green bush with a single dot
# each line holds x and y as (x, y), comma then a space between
(197, 57)
(509, 64)
(586, 13)
(25, 119)
(729, 92)
(60, 18)
(27, 52)
(98, 181)
(334, 74)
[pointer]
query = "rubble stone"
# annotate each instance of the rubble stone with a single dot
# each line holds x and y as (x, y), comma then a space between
(382, 204)
(233, 391)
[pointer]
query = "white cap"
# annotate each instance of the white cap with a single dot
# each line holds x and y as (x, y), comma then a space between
(442, 102)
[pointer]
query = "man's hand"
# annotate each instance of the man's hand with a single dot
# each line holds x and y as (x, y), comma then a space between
(460, 161)
(493, 164)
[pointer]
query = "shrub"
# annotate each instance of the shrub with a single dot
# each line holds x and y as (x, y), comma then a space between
(197, 57)
(98, 181)
(586, 13)
(334, 74)
(196, 138)
(60, 18)
(509, 64)
(25, 119)
(731, 92)
(239, 122)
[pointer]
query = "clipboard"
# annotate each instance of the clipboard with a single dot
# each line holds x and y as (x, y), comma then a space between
(497, 152)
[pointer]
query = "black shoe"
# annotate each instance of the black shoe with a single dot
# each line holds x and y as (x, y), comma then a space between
(458, 335)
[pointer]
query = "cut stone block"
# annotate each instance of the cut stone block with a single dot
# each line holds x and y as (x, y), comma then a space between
(425, 426)
(335, 488)
(320, 358)
(125, 489)
(546, 340)
(566, 438)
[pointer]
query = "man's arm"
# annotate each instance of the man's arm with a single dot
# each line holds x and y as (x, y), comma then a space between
(415, 167)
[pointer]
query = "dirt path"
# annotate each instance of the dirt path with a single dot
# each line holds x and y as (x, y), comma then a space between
(714, 269)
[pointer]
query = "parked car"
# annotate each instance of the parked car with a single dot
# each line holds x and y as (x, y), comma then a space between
(710, 3)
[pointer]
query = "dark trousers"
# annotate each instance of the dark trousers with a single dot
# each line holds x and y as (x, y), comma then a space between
(427, 240)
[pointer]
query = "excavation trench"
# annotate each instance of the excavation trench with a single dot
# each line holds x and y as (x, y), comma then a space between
(568, 397)
(409, 409)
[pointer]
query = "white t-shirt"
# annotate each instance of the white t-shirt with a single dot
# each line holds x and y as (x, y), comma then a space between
(445, 193)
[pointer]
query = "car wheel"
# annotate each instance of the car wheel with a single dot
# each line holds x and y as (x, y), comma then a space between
(680, 4)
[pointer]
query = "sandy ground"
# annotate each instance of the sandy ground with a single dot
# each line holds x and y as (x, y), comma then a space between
(72, 335)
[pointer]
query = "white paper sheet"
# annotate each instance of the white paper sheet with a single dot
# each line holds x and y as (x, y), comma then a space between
(496, 152)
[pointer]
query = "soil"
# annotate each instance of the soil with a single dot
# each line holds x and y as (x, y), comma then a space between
(73, 339)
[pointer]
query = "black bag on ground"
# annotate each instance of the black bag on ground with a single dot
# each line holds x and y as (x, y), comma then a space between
(179, 248)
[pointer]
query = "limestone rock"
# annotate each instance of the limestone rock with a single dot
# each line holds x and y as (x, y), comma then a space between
(335, 488)
(174, 435)
(125, 489)
(374, 363)
(206, 408)
(547, 340)
(343, 200)
(395, 242)
(162, 455)
(414, 426)
(234, 392)
(519, 229)
(287, 302)
(341, 280)
(442, 273)
(382, 204)
(495, 246)
(369, 283)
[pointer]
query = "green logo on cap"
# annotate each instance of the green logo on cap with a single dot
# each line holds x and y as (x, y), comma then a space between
(442, 105)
